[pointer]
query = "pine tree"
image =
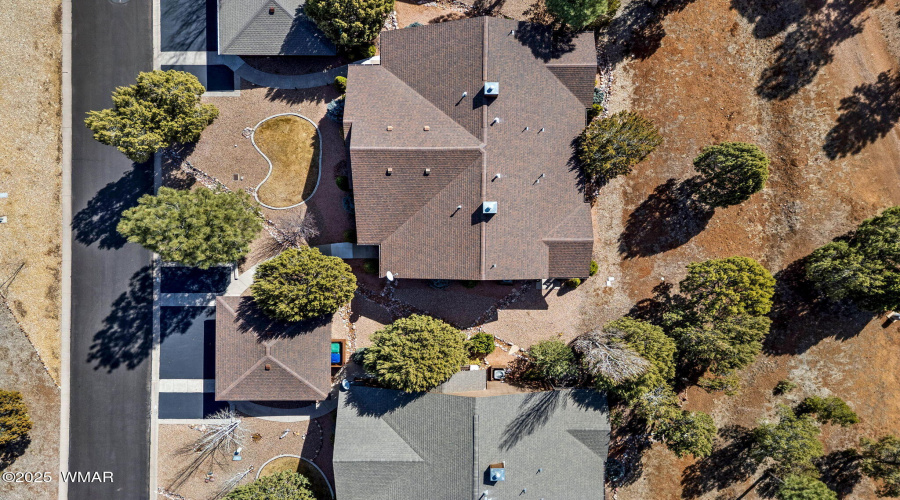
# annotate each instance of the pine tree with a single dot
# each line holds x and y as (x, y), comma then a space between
(415, 354)
(690, 433)
(792, 443)
(865, 268)
(578, 14)
(15, 423)
(162, 108)
(349, 23)
(829, 410)
(881, 461)
(301, 284)
(798, 487)
(732, 286)
(612, 146)
(283, 485)
(554, 360)
(725, 345)
(731, 172)
(197, 228)
(650, 343)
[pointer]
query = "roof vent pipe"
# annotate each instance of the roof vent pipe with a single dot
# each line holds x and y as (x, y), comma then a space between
(495, 120)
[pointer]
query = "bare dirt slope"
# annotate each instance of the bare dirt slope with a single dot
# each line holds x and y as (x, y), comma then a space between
(815, 84)
(30, 169)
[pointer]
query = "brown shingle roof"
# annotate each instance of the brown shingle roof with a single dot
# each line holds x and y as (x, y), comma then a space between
(423, 74)
(258, 359)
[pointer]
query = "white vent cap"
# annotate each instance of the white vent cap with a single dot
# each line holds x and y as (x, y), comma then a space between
(492, 88)
(489, 207)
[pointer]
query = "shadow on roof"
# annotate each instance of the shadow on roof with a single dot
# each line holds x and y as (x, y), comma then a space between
(250, 318)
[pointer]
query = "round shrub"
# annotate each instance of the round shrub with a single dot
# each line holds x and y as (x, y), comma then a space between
(481, 344)
(340, 84)
(370, 266)
(594, 268)
(343, 182)
(415, 354)
(14, 420)
(301, 284)
(554, 360)
(283, 485)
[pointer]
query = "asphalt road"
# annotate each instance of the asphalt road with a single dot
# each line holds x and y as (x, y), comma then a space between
(111, 285)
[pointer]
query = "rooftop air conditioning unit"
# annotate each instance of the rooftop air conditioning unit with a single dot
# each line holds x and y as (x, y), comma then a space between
(492, 89)
(489, 207)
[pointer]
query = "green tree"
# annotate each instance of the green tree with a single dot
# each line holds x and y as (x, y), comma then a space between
(162, 108)
(798, 487)
(481, 344)
(349, 23)
(690, 433)
(577, 13)
(612, 146)
(719, 288)
(301, 284)
(196, 228)
(651, 343)
(658, 407)
(731, 172)
(554, 360)
(283, 485)
(881, 461)
(830, 410)
(415, 354)
(792, 443)
(722, 346)
(864, 268)
(15, 423)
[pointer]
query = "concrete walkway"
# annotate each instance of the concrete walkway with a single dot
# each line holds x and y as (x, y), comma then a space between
(312, 411)
(252, 75)
(342, 250)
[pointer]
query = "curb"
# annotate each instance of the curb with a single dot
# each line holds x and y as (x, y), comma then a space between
(65, 316)
(318, 176)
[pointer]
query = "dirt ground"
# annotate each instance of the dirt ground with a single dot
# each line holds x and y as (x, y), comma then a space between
(815, 84)
(21, 370)
(309, 439)
(224, 152)
(30, 169)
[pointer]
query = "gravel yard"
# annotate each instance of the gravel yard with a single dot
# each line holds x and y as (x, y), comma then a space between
(30, 169)
(309, 439)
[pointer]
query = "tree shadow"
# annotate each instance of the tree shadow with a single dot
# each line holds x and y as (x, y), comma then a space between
(12, 451)
(729, 463)
(535, 411)
(293, 97)
(771, 17)
(653, 309)
(126, 338)
(251, 319)
(637, 32)
(375, 401)
(809, 46)
(840, 471)
(546, 41)
(628, 442)
(867, 115)
(802, 317)
(96, 222)
(667, 219)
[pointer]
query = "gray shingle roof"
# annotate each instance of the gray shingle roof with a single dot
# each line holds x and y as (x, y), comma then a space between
(246, 28)
(391, 445)
(420, 82)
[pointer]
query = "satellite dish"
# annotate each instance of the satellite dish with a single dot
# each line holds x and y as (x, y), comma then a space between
(390, 276)
(345, 384)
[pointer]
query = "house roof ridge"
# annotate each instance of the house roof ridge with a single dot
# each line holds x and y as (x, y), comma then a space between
(240, 379)
(298, 377)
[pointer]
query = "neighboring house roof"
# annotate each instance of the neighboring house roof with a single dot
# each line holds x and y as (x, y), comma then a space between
(269, 28)
(258, 359)
(390, 444)
(543, 226)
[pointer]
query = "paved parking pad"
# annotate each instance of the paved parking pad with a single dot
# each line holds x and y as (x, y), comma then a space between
(188, 338)
(216, 78)
(188, 405)
(188, 25)
(177, 279)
